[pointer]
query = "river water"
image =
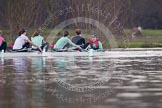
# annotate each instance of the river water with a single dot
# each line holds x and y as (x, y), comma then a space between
(81, 82)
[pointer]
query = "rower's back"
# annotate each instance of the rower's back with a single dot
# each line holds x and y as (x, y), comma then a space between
(78, 40)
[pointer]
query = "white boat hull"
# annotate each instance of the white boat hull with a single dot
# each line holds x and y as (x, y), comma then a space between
(106, 54)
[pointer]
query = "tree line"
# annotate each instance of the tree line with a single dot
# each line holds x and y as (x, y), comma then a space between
(15, 14)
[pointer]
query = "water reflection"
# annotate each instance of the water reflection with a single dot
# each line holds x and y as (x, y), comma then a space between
(80, 70)
(32, 82)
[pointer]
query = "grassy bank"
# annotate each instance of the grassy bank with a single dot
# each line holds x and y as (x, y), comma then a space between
(147, 32)
(140, 45)
(149, 39)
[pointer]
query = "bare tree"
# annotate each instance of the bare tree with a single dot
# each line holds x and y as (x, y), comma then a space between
(22, 14)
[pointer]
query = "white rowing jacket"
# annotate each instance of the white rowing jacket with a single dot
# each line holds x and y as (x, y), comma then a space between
(20, 41)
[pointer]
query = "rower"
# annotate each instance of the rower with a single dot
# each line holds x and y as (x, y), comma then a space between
(95, 44)
(64, 42)
(3, 44)
(78, 39)
(38, 40)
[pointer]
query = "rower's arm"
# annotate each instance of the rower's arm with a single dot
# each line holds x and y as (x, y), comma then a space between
(33, 44)
(100, 47)
(84, 41)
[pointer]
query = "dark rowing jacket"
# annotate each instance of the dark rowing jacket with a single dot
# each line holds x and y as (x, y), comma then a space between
(78, 40)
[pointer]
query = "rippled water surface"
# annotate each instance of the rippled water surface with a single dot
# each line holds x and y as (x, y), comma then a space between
(81, 82)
